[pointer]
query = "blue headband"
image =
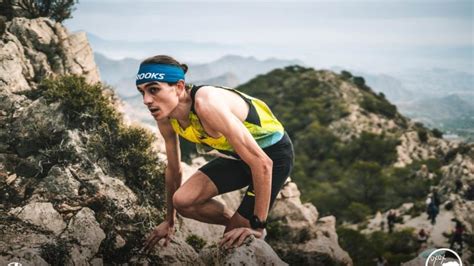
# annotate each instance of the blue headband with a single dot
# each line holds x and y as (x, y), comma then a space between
(159, 72)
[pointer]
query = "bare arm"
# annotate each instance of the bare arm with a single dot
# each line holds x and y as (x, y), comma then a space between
(173, 173)
(218, 115)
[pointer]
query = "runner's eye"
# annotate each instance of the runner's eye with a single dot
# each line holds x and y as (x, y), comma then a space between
(153, 90)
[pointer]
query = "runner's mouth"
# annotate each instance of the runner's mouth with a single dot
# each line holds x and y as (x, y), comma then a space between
(154, 110)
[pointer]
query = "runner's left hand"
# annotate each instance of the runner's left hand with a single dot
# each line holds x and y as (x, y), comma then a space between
(235, 237)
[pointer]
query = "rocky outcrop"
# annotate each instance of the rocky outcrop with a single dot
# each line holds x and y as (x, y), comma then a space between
(63, 206)
(252, 252)
(33, 49)
(309, 240)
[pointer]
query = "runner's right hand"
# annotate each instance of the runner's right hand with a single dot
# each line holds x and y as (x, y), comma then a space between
(164, 230)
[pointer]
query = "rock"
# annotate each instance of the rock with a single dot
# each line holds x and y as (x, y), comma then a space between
(36, 126)
(178, 252)
(21, 241)
(252, 252)
(59, 185)
(84, 228)
(307, 240)
(97, 262)
(288, 207)
(47, 48)
(41, 214)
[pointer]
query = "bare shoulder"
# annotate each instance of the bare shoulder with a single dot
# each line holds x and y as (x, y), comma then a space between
(210, 97)
(205, 93)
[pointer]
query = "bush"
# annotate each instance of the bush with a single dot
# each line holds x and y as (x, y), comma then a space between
(437, 133)
(58, 10)
(128, 149)
(422, 134)
(357, 212)
(196, 242)
(397, 247)
(346, 74)
(84, 105)
(275, 230)
(378, 105)
(359, 81)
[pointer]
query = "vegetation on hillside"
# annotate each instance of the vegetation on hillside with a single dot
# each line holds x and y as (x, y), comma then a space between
(58, 10)
(120, 150)
(348, 179)
(396, 247)
(128, 149)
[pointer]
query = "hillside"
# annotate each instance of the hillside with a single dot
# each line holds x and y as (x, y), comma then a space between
(357, 155)
(81, 185)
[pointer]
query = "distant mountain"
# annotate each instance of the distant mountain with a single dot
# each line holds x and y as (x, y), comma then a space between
(453, 113)
(113, 71)
(244, 68)
(437, 82)
(197, 51)
(228, 79)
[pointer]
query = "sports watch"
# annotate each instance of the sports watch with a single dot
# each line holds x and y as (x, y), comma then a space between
(255, 223)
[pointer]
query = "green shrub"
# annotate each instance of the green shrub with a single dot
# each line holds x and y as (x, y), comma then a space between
(396, 247)
(422, 134)
(84, 105)
(378, 105)
(437, 133)
(58, 10)
(359, 81)
(275, 230)
(128, 149)
(346, 74)
(357, 212)
(360, 249)
(196, 242)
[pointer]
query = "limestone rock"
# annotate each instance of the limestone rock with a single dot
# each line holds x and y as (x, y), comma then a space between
(41, 214)
(59, 185)
(176, 253)
(84, 228)
(252, 252)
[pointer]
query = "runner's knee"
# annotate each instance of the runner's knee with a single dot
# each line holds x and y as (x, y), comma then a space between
(181, 202)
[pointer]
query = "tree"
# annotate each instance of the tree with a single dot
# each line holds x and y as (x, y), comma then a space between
(58, 10)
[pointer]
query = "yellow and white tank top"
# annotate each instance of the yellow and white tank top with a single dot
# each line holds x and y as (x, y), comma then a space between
(260, 122)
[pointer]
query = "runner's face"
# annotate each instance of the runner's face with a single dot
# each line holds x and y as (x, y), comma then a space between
(159, 97)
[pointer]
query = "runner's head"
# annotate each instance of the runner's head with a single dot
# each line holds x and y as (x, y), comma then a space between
(160, 79)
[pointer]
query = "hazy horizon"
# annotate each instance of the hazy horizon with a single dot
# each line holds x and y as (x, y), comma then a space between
(382, 36)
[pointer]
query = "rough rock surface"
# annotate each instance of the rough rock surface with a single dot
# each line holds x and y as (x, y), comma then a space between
(252, 252)
(41, 214)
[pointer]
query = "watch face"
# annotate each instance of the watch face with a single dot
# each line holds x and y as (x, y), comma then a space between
(255, 223)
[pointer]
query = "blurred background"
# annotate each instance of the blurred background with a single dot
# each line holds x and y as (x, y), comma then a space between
(418, 53)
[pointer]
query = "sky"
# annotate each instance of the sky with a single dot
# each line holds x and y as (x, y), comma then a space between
(376, 36)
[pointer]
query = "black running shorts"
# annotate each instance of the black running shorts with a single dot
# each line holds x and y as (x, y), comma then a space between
(229, 175)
